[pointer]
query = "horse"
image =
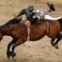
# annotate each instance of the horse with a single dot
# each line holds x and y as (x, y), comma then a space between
(18, 31)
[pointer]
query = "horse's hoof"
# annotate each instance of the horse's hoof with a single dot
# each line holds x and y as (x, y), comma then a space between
(9, 54)
(13, 55)
(56, 46)
(52, 44)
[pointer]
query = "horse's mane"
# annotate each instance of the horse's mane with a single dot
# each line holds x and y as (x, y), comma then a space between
(12, 21)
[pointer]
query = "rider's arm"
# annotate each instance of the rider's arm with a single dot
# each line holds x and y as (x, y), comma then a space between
(21, 13)
(48, 17)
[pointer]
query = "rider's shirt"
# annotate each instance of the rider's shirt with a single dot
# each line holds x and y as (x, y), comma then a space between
(40, 13)
(44, 15)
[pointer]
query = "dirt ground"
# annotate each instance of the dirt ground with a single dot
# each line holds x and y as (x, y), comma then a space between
(38, 51)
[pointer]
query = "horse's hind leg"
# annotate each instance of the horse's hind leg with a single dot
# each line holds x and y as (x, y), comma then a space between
(52, 41)
(8, 48)
(58, 39)
(15, 45)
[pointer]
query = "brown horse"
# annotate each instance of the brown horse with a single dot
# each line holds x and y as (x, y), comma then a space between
(18, 31)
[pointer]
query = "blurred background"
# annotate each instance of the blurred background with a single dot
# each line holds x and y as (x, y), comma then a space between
(39, 51)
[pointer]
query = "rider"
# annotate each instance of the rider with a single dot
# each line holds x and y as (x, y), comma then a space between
(28, 13)
(44, 13)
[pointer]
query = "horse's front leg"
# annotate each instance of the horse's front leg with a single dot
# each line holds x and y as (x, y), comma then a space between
(8, 48)
(14, 46)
